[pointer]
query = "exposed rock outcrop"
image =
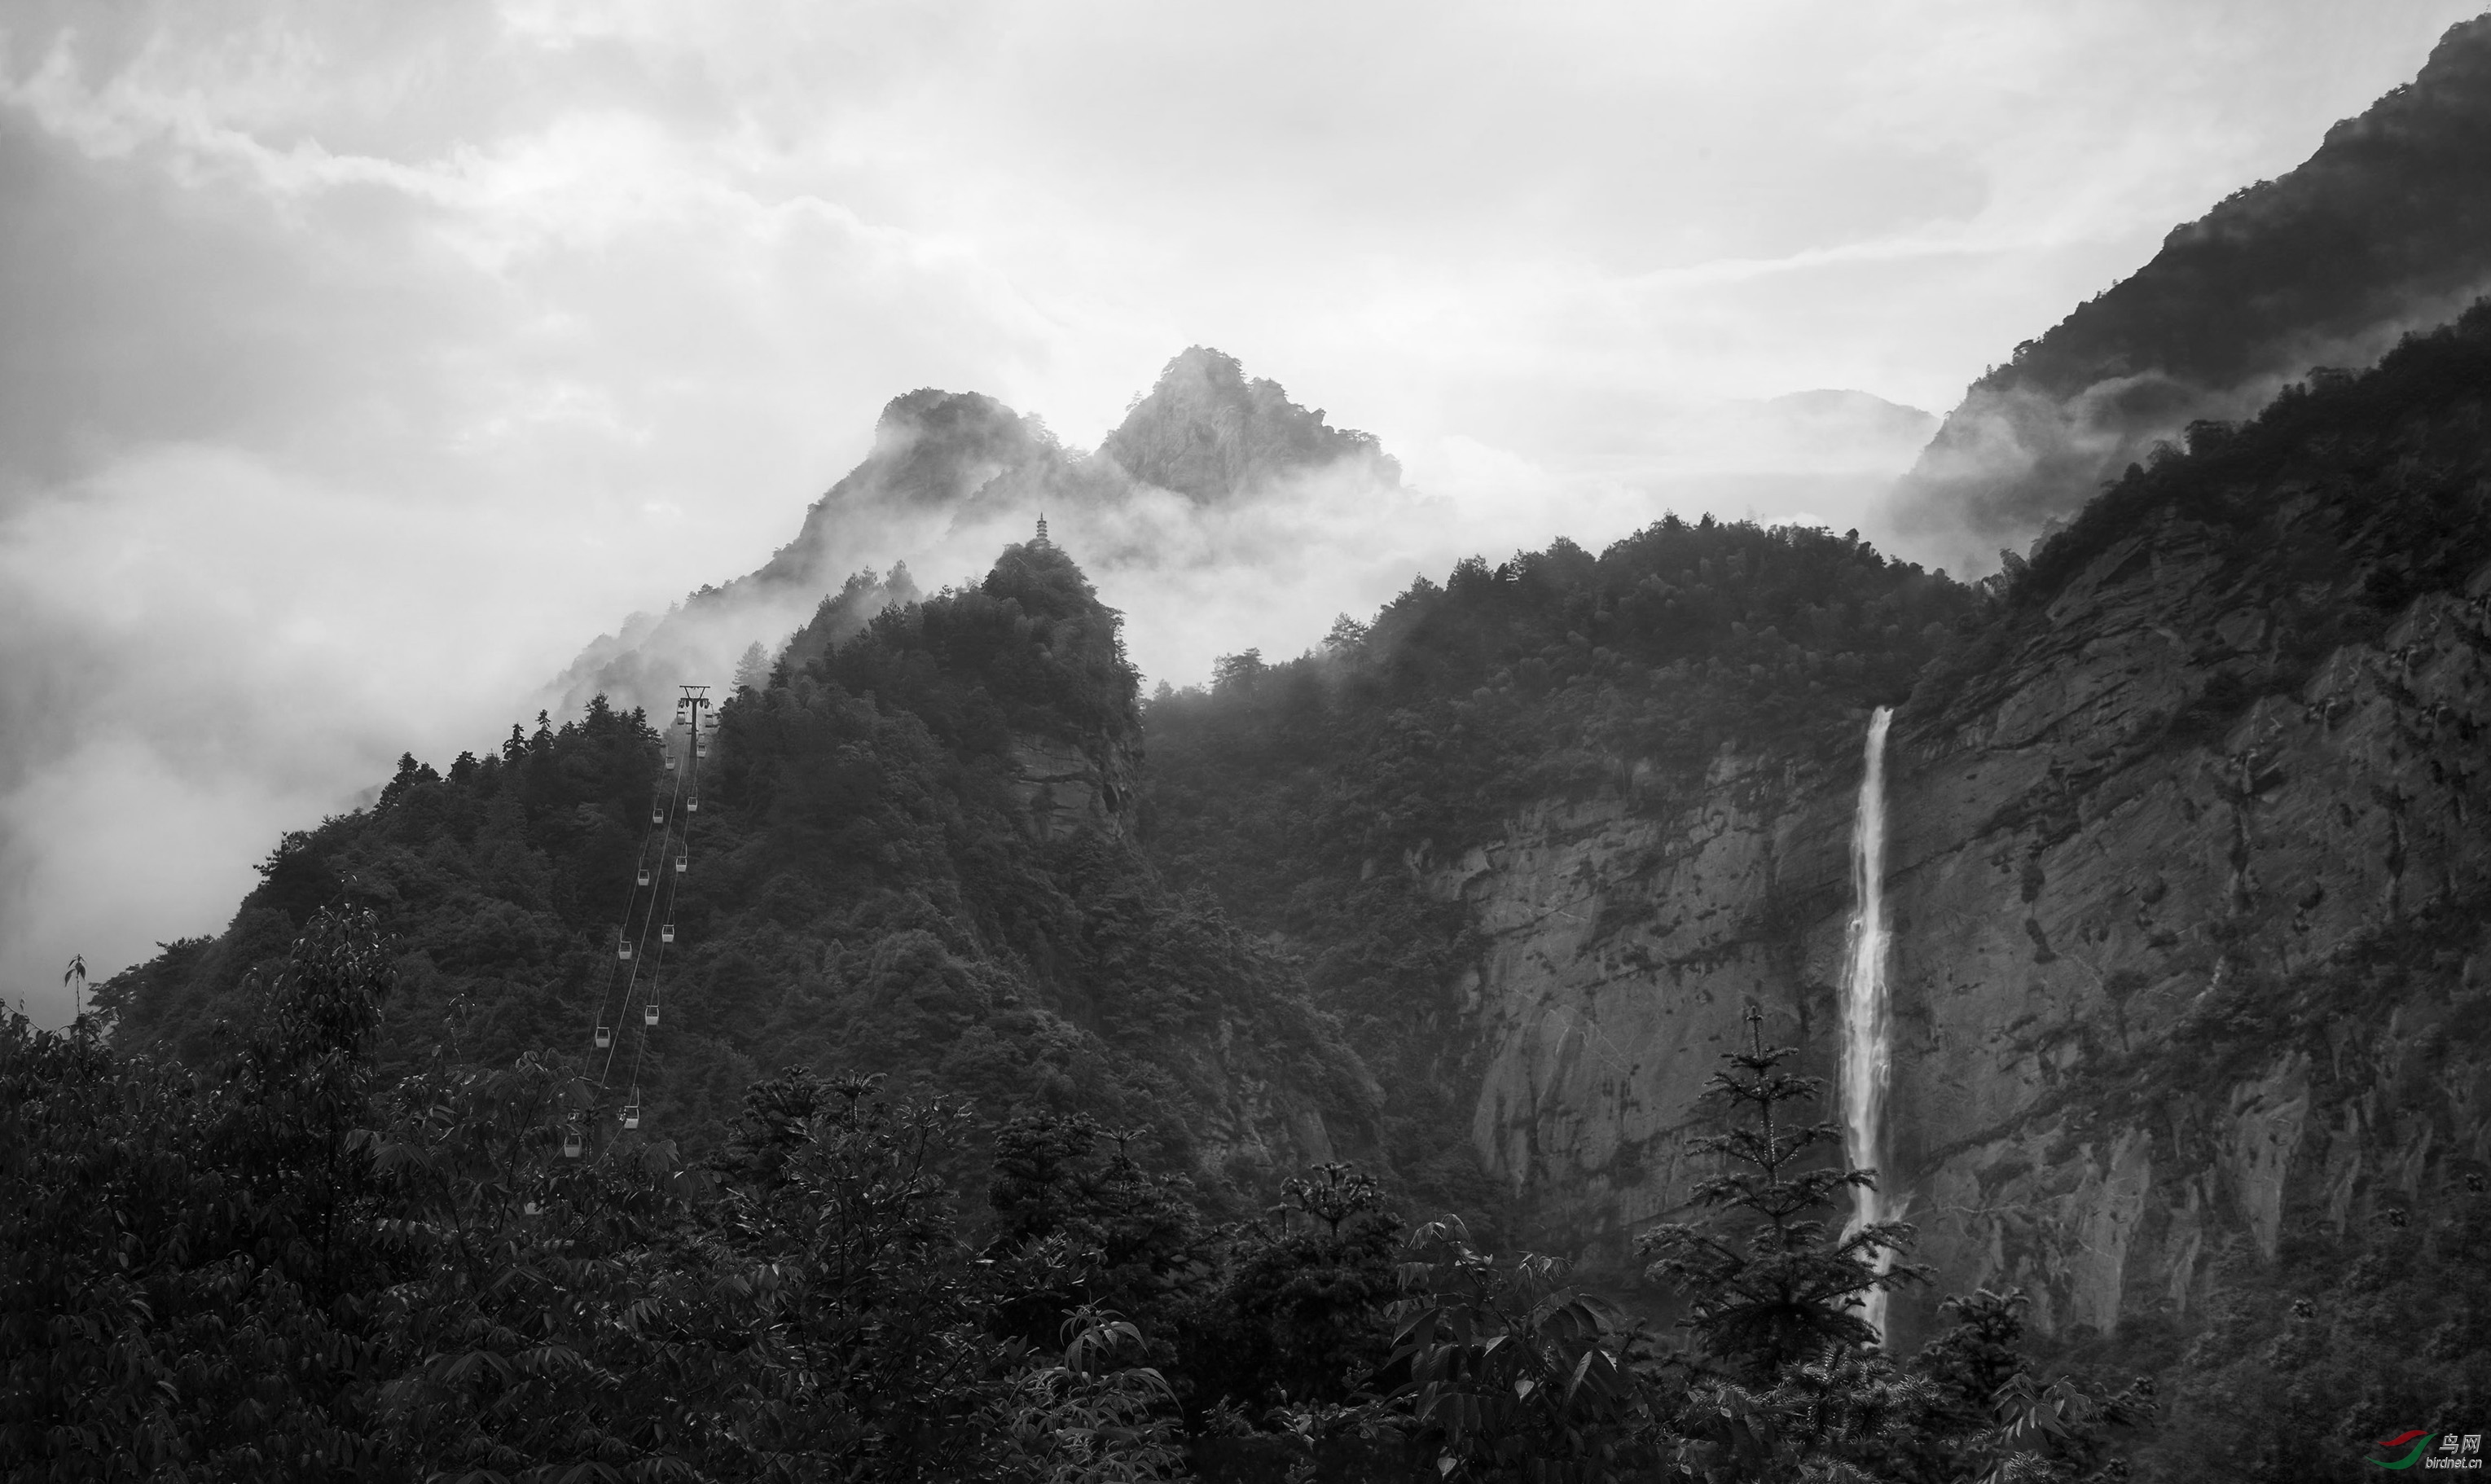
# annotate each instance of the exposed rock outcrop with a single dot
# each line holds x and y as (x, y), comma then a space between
(1065, 788)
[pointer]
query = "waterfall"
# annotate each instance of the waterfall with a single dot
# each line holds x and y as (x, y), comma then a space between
(1866, 1056)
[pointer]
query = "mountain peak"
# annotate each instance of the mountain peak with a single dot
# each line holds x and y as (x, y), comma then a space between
(933, 441)
(1206, 430)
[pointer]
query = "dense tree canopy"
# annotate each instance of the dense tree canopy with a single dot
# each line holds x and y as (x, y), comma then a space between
(283, 1264)
(867, 891)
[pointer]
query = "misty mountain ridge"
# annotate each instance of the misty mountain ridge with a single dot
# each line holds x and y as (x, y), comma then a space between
(2384, 230)
(1210, 468)
(1842, 404)
(953, 472)
(1836, 427)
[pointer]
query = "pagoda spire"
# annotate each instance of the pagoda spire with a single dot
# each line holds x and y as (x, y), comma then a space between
(1042, 540)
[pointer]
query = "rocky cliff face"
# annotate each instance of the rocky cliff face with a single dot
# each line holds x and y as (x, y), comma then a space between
(2076, 904)
(1065, 789)
(2188, 882)
(1624, 938)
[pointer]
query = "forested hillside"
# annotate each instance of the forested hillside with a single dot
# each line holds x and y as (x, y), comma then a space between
(880, 880)
(2380, 232)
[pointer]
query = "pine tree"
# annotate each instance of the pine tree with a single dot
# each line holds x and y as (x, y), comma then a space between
(1773, 1281)
(753, 671)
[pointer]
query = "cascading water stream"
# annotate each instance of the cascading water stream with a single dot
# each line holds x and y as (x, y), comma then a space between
(1866, 1052)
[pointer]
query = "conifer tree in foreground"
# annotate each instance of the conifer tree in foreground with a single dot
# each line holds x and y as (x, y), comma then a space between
(1773, 1281)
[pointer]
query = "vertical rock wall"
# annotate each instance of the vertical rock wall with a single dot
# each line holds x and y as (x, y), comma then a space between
(2163, 996)
(1624, 938)
(2163, 987)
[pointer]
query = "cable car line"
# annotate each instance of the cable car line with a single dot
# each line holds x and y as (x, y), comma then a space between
(666, 815)
(656, 969)
(662, 906)
(644, 868)
(601, 1035)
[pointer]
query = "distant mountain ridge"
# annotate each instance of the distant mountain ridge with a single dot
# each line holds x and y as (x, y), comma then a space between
(2385, 229)
(961, 471)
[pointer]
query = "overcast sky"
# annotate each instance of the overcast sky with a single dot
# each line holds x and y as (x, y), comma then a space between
(359, 363)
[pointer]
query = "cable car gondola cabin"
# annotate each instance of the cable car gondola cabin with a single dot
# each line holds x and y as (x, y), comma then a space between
(649, 1015)
(667, 934)
(605, 1038)
(570, 1142)
(683, 863)
(631, 1113)
(644, 875)
(692, 805)
(623, 950)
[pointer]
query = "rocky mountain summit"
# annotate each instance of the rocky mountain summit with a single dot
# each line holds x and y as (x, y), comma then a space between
(1209, 434)
(952, 475)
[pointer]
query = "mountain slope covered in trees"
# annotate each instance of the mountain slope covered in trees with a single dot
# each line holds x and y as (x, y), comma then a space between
(2385, 228)
(911, 859)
